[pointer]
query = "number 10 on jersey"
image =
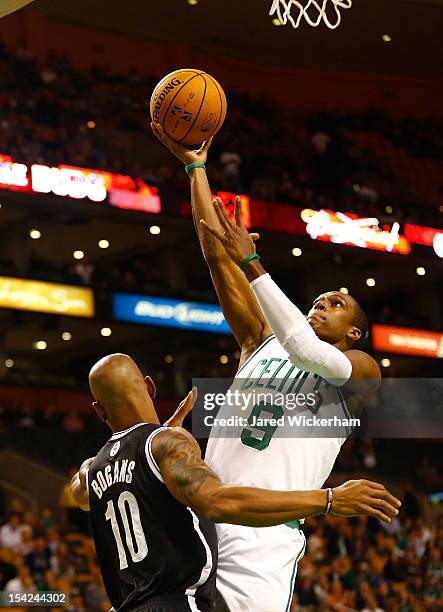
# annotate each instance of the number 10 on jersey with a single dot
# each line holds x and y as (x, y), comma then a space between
(127, 502)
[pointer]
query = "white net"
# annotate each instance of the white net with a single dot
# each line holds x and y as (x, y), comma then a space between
(311, 11)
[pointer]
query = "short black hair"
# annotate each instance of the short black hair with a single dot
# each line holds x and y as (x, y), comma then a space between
(360, 319)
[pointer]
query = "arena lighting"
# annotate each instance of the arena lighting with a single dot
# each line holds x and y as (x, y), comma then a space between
(154, 230)
(237, 355)
(165, 312)
(344, 290)
(35, 234)
(169, 358)
(426, 236)
(79, 183)
(9, 363)
(52, 298)
(421, 271)
(385, 363)
(370, 282)
(103, 244)
(297, 252)
(192, 2)
(39, 345)
(386, 38)
(91, 125)
(224, 359)
(349, 229)
(437, 243)
(407, 341)
(78, 254)
(106, 332)
(66, 336)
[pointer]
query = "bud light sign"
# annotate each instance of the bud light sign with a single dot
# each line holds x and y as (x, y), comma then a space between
(148, 310)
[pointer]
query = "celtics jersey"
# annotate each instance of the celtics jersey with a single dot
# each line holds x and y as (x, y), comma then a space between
(281, 427)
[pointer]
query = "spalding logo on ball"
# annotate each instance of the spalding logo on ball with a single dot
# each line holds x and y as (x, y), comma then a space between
(190, 105)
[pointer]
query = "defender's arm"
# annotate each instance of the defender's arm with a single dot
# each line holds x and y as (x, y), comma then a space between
(79, 485)
(193, 483)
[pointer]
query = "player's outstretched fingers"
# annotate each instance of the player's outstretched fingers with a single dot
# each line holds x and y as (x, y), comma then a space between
(376, 513)
(238, 215)
(384, 493)
(221, 214)
(387, 508)
(183, 409)
(216, 233)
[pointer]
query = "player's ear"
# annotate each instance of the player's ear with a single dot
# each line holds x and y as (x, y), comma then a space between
(150, 385)
(100, 412)
(354, 334)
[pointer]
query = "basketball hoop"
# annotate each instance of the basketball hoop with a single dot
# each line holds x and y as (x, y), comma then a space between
(313, 11)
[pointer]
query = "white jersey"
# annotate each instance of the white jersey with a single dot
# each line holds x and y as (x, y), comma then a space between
(252, 444)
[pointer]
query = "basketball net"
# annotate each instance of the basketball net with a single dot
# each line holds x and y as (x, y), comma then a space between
(314, 12)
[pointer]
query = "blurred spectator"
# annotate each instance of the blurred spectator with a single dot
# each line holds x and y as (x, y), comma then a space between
(23, 583)
(10, 536)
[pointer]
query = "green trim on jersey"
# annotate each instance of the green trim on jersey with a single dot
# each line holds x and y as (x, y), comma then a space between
(295, 524)
(257, 350)
(291, 589)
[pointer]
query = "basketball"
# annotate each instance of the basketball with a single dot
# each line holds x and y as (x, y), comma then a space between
(190, 105)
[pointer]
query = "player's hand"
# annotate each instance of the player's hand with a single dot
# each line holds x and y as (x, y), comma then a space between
(78, 485)
(184, 408)
(181, 152)
(363, 497)
(238, 243)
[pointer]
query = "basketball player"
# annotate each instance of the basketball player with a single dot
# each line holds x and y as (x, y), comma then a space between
(152, 500)
(257, 568)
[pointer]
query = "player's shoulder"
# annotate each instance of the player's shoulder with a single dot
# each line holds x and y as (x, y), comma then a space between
(363, 365)
(169, 440)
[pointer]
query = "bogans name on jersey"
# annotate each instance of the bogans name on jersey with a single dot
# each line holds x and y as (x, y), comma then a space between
(121, 471)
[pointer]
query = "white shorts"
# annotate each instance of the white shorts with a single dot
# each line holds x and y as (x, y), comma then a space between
(257, 566)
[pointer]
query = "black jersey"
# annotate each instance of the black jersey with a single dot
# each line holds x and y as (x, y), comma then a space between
(149, 546)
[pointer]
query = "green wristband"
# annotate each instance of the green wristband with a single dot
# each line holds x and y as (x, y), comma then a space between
(245, 262)
(190, 167)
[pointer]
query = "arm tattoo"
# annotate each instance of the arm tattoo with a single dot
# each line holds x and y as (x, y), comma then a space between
(178, 454)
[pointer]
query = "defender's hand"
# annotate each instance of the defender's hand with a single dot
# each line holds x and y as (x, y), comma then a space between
(79, 487)
(363, 497)
(184, 408)
(234, 237)
(182, 153)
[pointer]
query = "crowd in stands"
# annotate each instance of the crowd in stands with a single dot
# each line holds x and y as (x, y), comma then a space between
(361, 162)
(366, 565)
(39, 553)
(357, 564)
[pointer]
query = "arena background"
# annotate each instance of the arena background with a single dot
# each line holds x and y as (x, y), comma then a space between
(345, 121)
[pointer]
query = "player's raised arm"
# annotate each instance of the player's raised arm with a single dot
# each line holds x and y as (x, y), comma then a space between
(236, 298)
(327, 357)
(193, 483)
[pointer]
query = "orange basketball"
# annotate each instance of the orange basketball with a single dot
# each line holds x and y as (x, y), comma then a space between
(190, 105)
